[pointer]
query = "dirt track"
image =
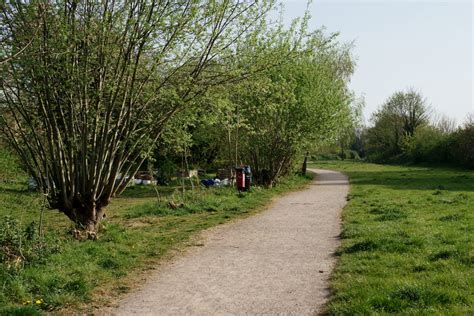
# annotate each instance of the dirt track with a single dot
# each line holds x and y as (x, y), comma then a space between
(274, 263)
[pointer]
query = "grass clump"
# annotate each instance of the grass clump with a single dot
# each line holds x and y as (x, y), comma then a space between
(22, 245)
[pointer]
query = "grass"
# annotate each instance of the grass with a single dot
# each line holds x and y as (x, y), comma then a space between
(407, 241)
(139, 233)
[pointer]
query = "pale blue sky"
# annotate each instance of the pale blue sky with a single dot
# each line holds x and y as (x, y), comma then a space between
(427, 45)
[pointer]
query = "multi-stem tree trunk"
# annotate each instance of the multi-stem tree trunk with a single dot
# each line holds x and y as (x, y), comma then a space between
(87, 218)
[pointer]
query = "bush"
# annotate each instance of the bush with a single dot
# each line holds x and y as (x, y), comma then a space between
(352, 154)
(427, 145)
(430, 145)
(463, 146)
(10, 240)
(326, 156)
(166, 170)
(20, 246)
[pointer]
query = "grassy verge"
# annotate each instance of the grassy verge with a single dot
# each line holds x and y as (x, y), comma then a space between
(407, 241)
(63, 275)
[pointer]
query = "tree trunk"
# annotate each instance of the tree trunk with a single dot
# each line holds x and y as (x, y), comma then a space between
(87, 218)
(343, 155)
(305, 164)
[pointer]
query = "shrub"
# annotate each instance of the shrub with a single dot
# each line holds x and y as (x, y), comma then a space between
(352, 154)
(427, 145)
(20, 246)
(325, 156)
(10, 240)
(463, 146)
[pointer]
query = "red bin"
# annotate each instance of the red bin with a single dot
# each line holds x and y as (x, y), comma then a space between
(240, 178)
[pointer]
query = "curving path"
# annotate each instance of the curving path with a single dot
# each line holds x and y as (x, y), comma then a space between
(274, 263)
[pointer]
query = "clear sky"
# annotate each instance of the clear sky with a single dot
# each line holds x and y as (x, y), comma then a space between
(427, 45)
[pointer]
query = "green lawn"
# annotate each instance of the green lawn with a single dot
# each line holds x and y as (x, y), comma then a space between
(407, 241)
(67, 276)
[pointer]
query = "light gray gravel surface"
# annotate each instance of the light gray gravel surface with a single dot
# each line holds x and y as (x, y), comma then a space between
(274, 263)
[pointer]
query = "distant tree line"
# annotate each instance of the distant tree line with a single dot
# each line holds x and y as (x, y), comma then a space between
(405, 130)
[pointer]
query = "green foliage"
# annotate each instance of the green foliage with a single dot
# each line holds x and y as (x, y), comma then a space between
(406, 241)
(395, 123)
(11, 237)
(29, 310)
(167, 169)
(354, 155)
(271, 117)
(345, 154)
(302, 101)
(9, 168)
(398, 136)
(325, 156)
(86, 103)
(20, 245)
(22, 250)
(462, 145)
(429, 144)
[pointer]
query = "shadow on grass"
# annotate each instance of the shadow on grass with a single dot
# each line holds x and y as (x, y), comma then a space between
(416, 180)
(408, 177)
(16, 191)
(148, 191)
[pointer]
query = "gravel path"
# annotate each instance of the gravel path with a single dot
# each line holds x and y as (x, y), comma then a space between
(274, 263)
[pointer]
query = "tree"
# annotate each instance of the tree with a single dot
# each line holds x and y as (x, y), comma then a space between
(349, 128)
(217, 133)
(395, 123)
(300, 102)
(445, 124)
(267, 120)
(409, 108)
(93, 84)
(463, 144)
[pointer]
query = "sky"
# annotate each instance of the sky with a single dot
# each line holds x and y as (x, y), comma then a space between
(400, 44)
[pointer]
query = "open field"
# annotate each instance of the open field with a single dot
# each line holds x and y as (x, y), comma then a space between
(139, 232)
(407, 241)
